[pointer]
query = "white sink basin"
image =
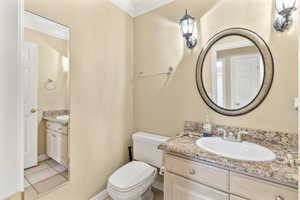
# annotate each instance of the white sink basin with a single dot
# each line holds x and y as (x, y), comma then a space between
(63, 117)
(236, 150)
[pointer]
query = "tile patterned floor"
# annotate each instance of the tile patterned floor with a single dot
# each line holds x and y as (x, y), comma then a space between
(158, 195)
(43, 178)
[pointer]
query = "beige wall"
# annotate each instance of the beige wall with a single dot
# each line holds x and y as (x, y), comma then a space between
(51, 51)
(101, 90)
(101, 77)
(162, 105)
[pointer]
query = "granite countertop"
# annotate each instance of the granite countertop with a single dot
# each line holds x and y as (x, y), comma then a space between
(53, 119)
(51, 116)
(276, 171)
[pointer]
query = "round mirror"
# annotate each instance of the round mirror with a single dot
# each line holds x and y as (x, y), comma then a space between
(234, 71)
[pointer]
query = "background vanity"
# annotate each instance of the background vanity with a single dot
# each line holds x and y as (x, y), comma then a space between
(57, 131)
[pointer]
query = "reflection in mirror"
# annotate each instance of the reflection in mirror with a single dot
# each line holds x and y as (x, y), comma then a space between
(233, 72)
(46, 56)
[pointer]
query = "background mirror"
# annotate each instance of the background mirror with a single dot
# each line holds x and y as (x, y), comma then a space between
(233, 72)
(46, 55)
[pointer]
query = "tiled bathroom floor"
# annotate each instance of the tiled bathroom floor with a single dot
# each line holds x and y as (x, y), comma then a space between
(43, 178)
(158, 195)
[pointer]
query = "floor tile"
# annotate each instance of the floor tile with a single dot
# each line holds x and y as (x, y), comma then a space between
(26, 183)
(30, 193)
(40, 166)
(41, 174)
(158, 195)
(49, 184)
(65, 174)
(56, 166)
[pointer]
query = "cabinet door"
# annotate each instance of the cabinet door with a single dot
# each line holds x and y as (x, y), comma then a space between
(52, 144)
(49, 145)
(62, 149)
(178, 188)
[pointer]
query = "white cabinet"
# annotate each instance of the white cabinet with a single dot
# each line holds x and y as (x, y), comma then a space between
(50, 145)
(178, 188)
(190, 180)
(57, 146)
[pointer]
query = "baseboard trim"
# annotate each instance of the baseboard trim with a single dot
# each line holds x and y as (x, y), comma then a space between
(100, 196)
(43, 157)
(104, 194)
(158, 185)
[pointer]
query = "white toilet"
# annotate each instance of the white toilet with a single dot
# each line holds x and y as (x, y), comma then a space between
(133, 181)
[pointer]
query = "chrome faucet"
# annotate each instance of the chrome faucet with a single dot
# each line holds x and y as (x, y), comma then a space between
(240, 134)
(222, 131)
(230, 136)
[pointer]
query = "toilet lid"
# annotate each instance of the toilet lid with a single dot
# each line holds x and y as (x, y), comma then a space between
(131, 175)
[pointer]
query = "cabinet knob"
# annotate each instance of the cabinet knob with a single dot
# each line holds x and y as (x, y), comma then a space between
(279, 197)
(33, 110)
(192, 172)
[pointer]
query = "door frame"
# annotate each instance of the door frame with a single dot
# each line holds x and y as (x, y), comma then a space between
(297, 101)
(20, 89)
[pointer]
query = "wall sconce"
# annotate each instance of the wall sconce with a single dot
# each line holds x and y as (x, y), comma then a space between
(284, 10)
(187, 24)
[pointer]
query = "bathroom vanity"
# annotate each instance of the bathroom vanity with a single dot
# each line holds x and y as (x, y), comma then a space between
(193, 173)
(57, 137)
(198, 180)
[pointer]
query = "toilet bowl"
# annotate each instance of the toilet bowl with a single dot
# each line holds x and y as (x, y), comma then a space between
(134, 180)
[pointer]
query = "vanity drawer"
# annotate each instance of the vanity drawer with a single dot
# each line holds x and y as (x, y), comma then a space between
(57, 127)
(208, 175)
(179, 188)
(255, 189)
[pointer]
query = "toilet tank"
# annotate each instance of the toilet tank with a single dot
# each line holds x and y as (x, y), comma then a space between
(145, 148)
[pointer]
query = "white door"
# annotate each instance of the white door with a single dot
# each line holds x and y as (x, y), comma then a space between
(30, 67)
(245, 79)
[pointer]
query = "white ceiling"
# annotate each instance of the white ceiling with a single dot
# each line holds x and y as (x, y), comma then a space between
(139, 7)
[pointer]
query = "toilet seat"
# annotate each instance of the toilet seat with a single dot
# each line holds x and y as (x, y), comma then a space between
(131, 180)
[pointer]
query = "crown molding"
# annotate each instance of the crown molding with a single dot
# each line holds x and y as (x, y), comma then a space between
(125, 5)
(41, 24)
(136, 8)
(144, 6)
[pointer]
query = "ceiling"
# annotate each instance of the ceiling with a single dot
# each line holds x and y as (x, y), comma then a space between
(139, 7)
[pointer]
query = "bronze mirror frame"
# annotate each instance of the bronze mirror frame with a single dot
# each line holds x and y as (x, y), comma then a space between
(268, 70)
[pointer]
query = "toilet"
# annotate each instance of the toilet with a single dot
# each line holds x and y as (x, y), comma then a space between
(134, 180)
